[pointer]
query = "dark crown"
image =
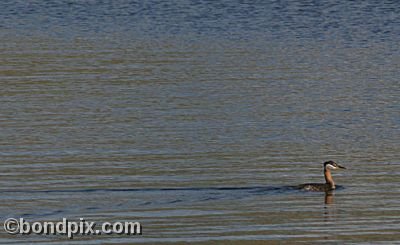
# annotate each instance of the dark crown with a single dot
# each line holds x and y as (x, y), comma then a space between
(330, 162)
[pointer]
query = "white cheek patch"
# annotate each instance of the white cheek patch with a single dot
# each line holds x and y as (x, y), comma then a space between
(330, 166)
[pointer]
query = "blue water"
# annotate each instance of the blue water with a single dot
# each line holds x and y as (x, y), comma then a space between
(195, 118)
(354, 23)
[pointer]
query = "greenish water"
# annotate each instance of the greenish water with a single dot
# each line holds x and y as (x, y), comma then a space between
(197, 132)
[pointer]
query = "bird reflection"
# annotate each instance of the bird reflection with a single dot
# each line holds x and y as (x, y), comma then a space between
(329, 197)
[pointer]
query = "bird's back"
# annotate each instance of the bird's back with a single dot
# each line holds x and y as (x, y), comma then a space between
(315, 187)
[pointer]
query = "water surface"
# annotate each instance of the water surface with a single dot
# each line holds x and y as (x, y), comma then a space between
(194, 117)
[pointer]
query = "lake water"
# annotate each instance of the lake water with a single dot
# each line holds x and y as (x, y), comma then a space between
(193, 117)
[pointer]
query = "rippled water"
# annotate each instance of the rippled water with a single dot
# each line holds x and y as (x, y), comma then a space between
(193, 118)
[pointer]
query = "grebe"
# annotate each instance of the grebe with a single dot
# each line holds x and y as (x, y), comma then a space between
(329, 185)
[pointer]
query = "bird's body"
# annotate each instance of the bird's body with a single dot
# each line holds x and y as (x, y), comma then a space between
(329, 184)
(316, 187)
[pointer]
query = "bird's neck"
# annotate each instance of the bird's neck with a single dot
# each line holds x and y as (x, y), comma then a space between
(329, 179)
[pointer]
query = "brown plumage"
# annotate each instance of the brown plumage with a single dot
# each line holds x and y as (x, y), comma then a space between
(329, 183)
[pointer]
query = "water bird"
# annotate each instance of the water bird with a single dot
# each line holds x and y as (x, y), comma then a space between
(329, 183)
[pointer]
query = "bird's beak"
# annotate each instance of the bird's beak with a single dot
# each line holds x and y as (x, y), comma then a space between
(341, 167)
